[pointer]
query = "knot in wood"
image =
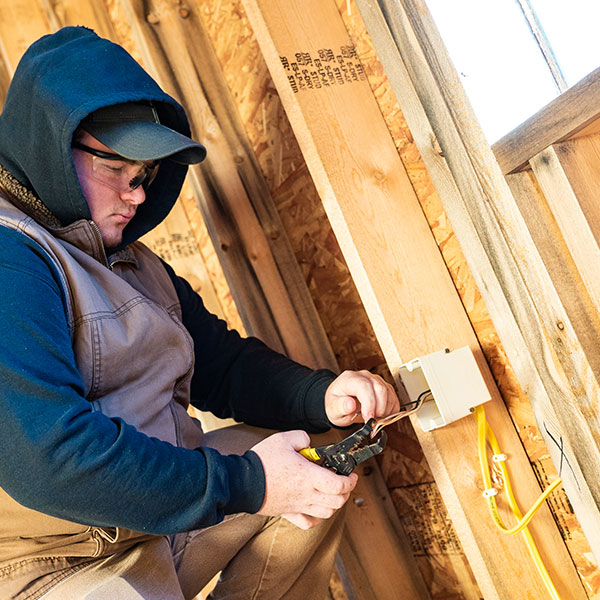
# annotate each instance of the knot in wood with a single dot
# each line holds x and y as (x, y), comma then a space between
(359, 502)
(436, 146)
(153, 18)
(184, 12)
(560, 325)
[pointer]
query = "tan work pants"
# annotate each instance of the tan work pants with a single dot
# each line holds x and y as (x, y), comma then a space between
(259, 558)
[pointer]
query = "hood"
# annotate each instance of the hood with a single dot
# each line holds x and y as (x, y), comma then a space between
(60, 80)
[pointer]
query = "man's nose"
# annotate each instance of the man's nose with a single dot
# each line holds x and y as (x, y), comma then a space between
(135, 197)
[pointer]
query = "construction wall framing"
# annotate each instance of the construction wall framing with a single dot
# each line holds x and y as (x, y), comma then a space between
(332, 231)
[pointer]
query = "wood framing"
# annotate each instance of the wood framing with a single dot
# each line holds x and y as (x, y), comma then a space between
(264, 277)
(527, 219)
(403, 282)
(579, 158)
(542, 335)
(572, 113)
(571, 220)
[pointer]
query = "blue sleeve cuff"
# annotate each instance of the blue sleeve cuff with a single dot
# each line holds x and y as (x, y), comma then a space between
(314, 404)
(246, 483)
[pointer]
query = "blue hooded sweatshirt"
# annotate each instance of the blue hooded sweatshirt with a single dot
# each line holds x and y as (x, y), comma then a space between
(128, 480)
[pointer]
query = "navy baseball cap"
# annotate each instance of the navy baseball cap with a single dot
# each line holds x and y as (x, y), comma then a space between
(134, 131)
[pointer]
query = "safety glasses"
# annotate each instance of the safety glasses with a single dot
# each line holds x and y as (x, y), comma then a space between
(117, 172)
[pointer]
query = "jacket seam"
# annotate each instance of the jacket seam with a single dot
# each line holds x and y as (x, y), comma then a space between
(191, 356)
(97, 361)
(111, 314)
(176, 423)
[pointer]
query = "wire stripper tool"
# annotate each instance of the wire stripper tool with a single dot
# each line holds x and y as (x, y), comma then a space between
(344, 456)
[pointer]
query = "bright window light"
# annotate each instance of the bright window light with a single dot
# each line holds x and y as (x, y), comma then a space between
(499, 61)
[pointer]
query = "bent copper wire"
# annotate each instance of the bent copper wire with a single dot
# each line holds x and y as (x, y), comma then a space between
(405, 412)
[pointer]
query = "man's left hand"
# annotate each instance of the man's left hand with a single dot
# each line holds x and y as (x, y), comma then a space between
(359, 396)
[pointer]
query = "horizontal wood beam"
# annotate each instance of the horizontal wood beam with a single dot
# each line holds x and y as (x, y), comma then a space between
(564, 117)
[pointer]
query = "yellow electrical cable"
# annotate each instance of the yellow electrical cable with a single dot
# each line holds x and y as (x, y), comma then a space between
(485, 434)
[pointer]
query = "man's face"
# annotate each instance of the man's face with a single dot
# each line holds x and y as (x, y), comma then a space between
(111, 209)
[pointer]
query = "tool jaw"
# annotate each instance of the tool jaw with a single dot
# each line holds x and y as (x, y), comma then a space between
(346, 455)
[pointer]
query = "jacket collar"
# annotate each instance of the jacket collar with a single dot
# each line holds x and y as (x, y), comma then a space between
(82, 234)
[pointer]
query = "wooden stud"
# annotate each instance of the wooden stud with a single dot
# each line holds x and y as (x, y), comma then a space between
(571, 220)
(73, 12)
(558, 262)
(4, 77)
(541, 342)
(375, 548)
(21, 23)
(579, 158)
(174, 241)
(420, 506)
(396, 265)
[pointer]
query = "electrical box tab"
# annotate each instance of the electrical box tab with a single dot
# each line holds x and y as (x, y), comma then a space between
(449, 383)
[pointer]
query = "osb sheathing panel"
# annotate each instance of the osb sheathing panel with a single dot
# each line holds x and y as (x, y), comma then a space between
(407, 474)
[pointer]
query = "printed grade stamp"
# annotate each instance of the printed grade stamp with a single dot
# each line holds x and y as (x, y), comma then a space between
(325, 69)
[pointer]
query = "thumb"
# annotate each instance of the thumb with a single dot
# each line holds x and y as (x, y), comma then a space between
(350, 405)
(297, 439)
(343, 406)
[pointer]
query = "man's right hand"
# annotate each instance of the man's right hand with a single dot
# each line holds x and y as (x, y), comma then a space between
(296, 488)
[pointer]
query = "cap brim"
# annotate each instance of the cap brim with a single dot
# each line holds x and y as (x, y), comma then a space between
(146, 140)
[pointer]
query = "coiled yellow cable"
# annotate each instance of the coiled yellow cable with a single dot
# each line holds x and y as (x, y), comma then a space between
(485, 434)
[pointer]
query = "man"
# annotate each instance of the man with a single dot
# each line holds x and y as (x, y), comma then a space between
(108, 488)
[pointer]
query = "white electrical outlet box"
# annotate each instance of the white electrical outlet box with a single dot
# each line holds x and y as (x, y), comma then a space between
(450, 383)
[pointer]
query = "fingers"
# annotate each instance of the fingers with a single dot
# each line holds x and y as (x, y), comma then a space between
(330, 502)
(297, 439)
(379, 397)
(324, 506)
(327, 482)
(295, 485)
(334, 494)
(301, 520)
(315, 513)
(362, 391)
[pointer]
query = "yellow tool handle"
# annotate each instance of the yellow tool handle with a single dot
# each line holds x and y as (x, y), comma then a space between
(310, 454)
